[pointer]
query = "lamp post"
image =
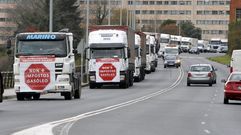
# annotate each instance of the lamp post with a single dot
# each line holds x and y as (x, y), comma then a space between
(50, 15)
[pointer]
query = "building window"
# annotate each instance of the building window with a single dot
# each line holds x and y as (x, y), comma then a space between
(159, 2)
(238, 14)
(145, 2)
(152, 3)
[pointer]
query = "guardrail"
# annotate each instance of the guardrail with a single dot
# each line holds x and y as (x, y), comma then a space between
(8, 79)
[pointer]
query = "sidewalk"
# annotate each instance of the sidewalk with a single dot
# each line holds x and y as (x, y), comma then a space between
(10, 93)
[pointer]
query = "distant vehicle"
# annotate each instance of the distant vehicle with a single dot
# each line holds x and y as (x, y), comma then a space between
(176, 40)
(1, 87)
(201, 74)
(171, 50)
(215, 43)
(224, 46)
(232, 87)
(203, 46)
(164, 41)
(187, 43)
(172, 60)
(194, 50)
(235, 64)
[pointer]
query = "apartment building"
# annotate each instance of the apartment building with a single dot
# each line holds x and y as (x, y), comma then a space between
(6, 23)
(235, 10)
(212, 16)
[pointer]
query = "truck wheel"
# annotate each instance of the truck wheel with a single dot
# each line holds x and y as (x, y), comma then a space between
(131, 79)
(20, 96)
(68, 95)
(225, 100)
(28, 96)
(36, 96)
(91, 86)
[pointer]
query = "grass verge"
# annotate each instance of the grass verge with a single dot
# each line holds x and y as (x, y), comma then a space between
(221, 59)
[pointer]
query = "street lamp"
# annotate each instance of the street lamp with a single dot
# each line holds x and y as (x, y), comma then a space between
(50, 15)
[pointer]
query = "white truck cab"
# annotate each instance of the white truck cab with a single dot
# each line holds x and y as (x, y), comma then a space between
(235, 64)
(164, 41)
(111, 56)
(44, 63)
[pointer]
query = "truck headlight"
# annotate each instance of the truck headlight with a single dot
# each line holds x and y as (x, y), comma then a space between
(122, 77)
(92, 78)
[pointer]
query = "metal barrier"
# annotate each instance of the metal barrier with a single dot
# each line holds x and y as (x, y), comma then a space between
(8, 79)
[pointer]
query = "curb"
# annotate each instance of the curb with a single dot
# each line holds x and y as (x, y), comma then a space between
(14, 96)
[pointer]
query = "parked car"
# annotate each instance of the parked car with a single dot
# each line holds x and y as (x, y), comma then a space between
(194, 50)
(1, 87)
(201, 74)
(232, 87)
(172, 60)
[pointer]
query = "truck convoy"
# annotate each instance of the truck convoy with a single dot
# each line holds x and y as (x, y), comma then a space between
(44, 62)
(111, 56)
(164, 41)
(140, 56)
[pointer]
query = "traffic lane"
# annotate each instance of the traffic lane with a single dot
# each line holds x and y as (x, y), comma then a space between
(164, 114)
(219, 118)
(182, 111)
(51, 107)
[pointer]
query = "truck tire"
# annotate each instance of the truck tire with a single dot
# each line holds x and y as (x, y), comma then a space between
(20, 96)
(91, 85)
(77, 90)
(36, 96)
(131, 77)
(68, 95)
(153, 69)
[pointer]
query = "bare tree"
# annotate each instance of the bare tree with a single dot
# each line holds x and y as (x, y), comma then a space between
(101, 11)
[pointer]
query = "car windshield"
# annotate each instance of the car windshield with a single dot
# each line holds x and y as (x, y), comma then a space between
(170, 58)
(171, 51)
(200, 68)
(107, 53)
(235, 77)
(57, 48)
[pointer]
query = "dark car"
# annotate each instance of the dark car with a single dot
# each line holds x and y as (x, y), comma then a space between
(201, 74)
(194, 50)
(1, 87)
(232, 87)
(172, 60)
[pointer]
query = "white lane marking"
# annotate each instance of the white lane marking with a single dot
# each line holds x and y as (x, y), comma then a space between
(207, 131)
(46, 129)
(203, 123)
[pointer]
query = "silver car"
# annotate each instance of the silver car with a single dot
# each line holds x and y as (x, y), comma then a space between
(201, 74)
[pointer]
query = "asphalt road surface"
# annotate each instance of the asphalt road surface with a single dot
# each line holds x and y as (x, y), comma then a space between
(160, 105)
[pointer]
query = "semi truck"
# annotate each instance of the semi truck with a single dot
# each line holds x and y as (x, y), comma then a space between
(111, 56)
(140, 56)
(150, 54)
(44, 62)
(215, 43)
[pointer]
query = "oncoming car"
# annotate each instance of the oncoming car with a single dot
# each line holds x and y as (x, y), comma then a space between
(232, 87)
(172, 60)
(201, 74)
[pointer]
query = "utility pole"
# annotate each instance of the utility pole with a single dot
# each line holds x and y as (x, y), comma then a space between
(109, 12)
(51, 16)
(121, 12)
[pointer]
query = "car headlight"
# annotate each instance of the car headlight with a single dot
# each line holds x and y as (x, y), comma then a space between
(178, 61)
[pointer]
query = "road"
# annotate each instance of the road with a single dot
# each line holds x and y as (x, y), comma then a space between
(161, 104)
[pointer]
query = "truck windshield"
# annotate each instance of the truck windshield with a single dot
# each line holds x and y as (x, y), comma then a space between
(215, 42)
(57, 48)
(163, 40)
(186, 43)
(171, 51)
(107, 53)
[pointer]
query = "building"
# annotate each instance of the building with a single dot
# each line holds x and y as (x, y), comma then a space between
(7, 26)
(235, 10)
(212, 16)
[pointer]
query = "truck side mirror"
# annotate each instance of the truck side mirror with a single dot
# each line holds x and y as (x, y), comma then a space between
(9, 43)
(75, 51)
(128, 52)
